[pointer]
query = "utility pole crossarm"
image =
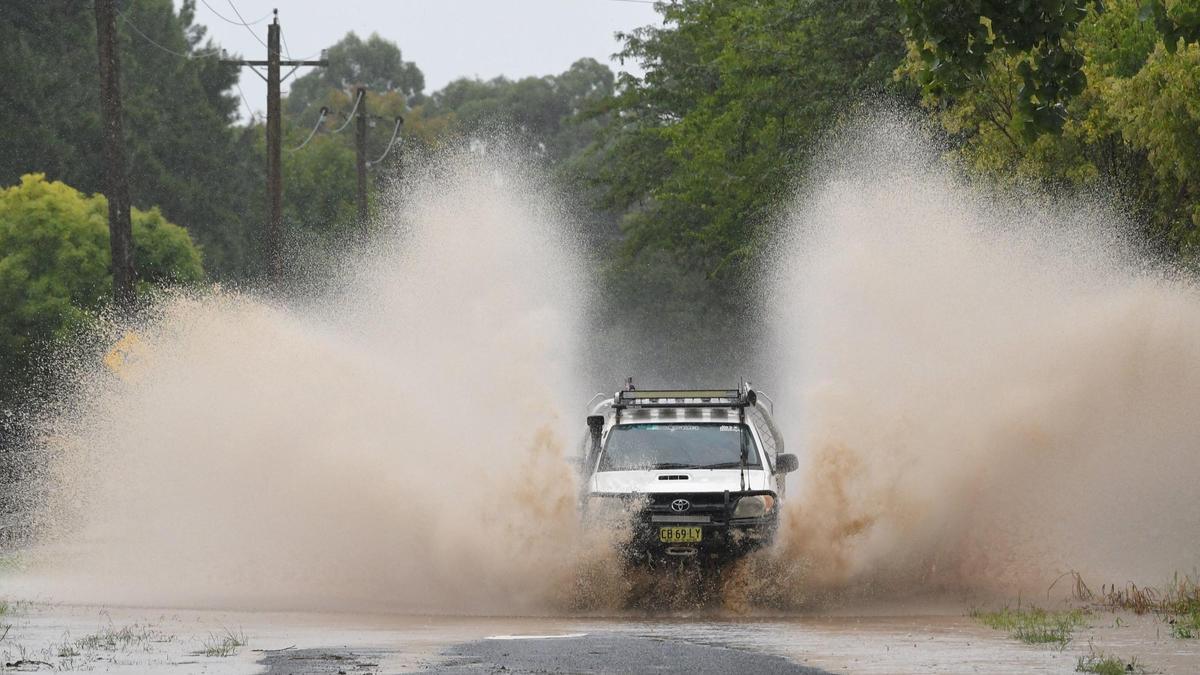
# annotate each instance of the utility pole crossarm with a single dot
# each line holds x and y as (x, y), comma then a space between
(233, 62)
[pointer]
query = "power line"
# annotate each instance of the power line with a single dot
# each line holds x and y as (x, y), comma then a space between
(228, 20)
(243, 95)
(192, 55)
(349, 117)
(147, 38)
(243, 20)
(320, 119)
(395, 133)
(286, 50)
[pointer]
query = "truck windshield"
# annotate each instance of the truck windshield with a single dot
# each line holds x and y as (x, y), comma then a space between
(678, 446)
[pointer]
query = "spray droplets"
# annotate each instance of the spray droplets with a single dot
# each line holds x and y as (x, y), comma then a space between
(983, 394)
(397, 446)
(990, 391)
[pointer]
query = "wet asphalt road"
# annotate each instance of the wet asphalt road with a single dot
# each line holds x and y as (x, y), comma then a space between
(589, 653)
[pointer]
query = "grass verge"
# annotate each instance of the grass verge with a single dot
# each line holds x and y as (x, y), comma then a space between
(1033, 625)
(118, 639)
(1185, 626)
(223, 645)
(1101, 664)
(68, 652)
(1178, 602)
(4, 627)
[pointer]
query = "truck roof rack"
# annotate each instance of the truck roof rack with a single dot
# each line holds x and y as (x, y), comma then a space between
(685, 398)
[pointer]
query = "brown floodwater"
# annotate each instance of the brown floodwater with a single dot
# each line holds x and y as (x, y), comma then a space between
(172, 640)
(986, 392)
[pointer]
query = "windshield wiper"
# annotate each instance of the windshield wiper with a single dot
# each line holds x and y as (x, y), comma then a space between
(724, 465)
(671, 465)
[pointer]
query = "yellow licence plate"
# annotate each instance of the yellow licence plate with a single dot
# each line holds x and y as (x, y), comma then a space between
(680, 535)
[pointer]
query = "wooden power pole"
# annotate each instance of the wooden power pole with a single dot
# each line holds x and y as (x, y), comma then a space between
(274, 158)
(274, 230)
(360, 146)
(116, 181)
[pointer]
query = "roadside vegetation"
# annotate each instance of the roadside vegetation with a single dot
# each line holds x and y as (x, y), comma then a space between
(71, 654)
(1033, 625)
(1177, 603)
(223, 644)
(83, 653)
(112, 639)
(1101, 664)
(5, 627)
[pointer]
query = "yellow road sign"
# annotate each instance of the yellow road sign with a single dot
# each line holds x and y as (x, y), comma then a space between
(128, 356)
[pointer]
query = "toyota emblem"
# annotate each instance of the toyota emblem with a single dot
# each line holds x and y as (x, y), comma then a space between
(680, 505)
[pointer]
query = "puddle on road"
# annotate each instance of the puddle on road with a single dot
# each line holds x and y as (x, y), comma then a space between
(536, 637)
(856, 644)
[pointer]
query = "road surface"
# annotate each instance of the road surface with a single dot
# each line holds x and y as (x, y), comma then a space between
(601, 652)
(879, 640)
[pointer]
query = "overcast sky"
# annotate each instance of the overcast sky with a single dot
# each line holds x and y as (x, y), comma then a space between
(447, 39)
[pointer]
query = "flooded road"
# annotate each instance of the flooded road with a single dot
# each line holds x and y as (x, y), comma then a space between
(348, 482)
(125, 640)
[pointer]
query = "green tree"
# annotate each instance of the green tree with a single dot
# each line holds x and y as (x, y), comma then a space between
(1136, 120)
(319, 195)
(54, 266)
(703, 147)
(319, 178)
(698, 154)
(551, 116)
(184, 152)
(955, 42)
(376, 64)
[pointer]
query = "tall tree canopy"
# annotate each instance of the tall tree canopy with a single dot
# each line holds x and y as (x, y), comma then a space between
(1133, 117)
(182, 147)
(955, 39)
(550, 114)
(375, 63)
(703, 147)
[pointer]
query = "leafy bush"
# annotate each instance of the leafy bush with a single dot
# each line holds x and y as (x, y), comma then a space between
(55, 271)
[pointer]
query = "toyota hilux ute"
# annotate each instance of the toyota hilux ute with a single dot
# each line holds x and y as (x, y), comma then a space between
(699, 474)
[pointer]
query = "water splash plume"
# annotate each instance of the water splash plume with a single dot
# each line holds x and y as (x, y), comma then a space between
(989, 390)
(398, 444)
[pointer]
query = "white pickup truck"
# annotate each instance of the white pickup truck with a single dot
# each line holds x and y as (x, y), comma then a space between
(700, 473)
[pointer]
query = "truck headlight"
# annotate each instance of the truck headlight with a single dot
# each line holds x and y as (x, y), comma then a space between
(754, 506)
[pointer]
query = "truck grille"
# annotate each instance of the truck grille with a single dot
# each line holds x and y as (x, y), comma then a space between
(710, 504)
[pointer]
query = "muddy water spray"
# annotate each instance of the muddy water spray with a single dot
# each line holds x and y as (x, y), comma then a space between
(984, 393)
(400, 447)
(988, 392)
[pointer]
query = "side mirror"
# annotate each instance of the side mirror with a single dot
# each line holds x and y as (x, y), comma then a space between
(595, 425)
(786, 463)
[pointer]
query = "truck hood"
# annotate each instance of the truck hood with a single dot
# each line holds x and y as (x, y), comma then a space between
(698, 480)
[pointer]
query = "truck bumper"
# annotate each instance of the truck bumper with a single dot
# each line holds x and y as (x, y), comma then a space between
(718, 542)
(709, 515)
